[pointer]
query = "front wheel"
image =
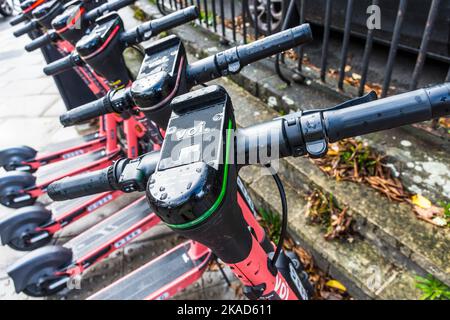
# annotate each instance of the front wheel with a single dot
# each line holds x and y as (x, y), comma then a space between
(12, 189)
(44, 288)
(6, 9)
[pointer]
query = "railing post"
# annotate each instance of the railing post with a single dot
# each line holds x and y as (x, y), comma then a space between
(394, 46)
(345, 43)
(326, 38)
(366, 56)
(424, 45)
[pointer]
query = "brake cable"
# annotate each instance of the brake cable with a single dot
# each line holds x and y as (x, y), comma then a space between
(284, 215)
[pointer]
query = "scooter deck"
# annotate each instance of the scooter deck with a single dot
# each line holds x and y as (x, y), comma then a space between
(151, 280)
(62, 168)
(70, 143)
(106, 231)
(59, 208)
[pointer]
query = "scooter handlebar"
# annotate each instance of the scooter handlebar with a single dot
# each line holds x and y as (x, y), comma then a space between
(126, 175)
(310, 132)
(395, 111)
(62, 64)
(152, 28)
(29, 26)
(107, 7)
(233, 60)
(114, 101)
(18, 19)
(41, 41)
(79, 186)
(85, 112)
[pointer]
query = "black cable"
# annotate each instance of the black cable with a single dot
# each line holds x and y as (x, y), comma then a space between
(278, 70)
(225, 277)
(284, 216)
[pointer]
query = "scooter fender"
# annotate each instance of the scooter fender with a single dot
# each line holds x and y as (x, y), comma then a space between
(47, 260)
(15, 155)
(9, 181)
(12, 224)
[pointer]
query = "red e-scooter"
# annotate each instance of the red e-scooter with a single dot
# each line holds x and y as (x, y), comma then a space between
(201, 203)
(102, 48)
(27, 7)
(69, 28)
(32, 227)
(164, 60)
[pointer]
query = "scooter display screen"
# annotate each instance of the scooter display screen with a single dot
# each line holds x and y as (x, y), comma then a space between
(99, 36)
(194, 136)
(160, 60)
(64, 20)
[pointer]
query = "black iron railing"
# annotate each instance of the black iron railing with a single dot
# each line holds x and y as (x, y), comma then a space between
(253, 21)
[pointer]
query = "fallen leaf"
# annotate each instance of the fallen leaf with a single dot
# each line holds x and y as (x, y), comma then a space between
(356, 76)
(336, 285)
(421, 201)
(439, 221)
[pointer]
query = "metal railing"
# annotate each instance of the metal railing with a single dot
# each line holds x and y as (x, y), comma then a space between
(220, 16)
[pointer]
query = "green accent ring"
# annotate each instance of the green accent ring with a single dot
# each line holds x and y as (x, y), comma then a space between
(216, 204)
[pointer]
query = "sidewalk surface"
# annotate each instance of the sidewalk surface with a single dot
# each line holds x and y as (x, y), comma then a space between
(29, 110)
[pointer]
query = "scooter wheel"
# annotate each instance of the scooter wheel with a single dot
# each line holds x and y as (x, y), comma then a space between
(12, 185)
(21, 244)
(7, 201)
(20, 227)
(39, 290)
(13, 157)
(36, 273)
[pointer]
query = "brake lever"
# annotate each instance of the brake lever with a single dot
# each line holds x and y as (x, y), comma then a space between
(371, 96)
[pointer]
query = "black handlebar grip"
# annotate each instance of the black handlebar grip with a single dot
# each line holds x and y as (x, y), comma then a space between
(173, 20)
(85, 112)
(79, 186)
(41, 41)
(107, 7)
(273, 44)
(152, 28)
(234, 59)
(18, 19)
(407, 108)
(29, 26)
(62, 65)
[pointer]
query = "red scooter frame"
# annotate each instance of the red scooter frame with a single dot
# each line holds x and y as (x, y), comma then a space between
(197, 253)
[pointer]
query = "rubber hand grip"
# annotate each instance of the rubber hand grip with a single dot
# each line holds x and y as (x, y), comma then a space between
(107, 7)
(79, 186)
(39, 42)
(276, 43)
(173, 20)
(60, 65)
(29, 26)
(152, 28)
(18, 19)
(395, 111)
(85, 112)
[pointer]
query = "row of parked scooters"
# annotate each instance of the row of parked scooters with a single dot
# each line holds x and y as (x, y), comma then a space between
(146, 141)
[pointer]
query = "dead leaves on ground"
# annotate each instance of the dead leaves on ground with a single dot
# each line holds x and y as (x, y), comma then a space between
(352, 160)
(428, 212)
(325, 287)
(323, 210)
